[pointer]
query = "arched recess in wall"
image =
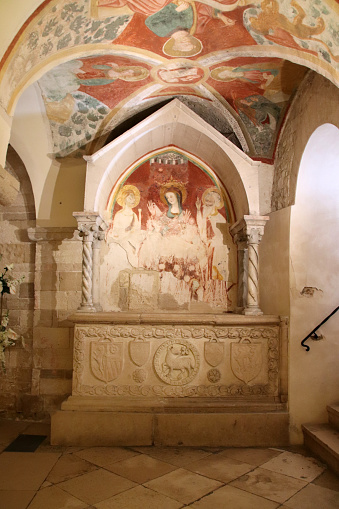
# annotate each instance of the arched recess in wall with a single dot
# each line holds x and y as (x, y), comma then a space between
(315, 103)
(16, 248)
(314, 279)
(169, 218)
(177, 126)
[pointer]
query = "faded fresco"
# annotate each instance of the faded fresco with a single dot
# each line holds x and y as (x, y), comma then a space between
(146, 50)
(170, 220)
(81, 94)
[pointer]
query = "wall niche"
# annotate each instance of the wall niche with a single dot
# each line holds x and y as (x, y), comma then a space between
(168, 245)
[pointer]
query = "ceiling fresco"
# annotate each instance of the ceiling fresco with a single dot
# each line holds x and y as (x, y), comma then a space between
(108, 59)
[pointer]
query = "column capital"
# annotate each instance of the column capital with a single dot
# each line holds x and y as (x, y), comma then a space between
(250, 228)
(90, 219)
(90, 224)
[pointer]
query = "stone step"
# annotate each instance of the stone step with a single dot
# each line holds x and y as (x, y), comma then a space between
(333, 416)
(323, 441)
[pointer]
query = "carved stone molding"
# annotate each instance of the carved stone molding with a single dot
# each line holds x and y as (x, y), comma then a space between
(176, 360)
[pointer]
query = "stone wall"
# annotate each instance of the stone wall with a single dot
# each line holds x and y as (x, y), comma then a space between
(316, 103)
(57, 295)
(39, 374)
(16, 248)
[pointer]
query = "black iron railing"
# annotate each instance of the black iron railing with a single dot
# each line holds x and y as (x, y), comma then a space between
(314, 334)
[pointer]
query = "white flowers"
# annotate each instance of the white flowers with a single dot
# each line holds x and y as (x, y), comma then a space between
(8, 284)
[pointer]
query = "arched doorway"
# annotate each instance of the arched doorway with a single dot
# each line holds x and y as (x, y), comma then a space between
(314, 280)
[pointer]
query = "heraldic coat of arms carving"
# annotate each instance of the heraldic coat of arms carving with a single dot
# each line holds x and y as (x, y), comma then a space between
(106, 360)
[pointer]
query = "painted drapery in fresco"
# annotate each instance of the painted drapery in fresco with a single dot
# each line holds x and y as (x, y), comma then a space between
(178, 227)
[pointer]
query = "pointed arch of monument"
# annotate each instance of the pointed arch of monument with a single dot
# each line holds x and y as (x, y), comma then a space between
(177, 126)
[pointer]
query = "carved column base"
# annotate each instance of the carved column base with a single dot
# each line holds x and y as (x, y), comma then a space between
(252, 311)
(86, 309)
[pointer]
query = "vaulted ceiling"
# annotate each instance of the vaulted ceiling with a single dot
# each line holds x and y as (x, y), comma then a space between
(102, 65)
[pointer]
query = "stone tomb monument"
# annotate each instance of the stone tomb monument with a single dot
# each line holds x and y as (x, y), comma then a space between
(170, 344)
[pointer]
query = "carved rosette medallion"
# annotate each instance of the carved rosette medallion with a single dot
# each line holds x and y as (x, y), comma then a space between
(139, 375)
(246, 359)
(106, 360)
(213, 376)
(176, 362)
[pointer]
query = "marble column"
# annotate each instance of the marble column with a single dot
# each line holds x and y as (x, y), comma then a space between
(250, 230)
(91, 229)
(241, 241)
(98, 238)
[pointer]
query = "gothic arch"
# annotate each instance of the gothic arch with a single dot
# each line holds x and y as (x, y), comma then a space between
(173, 125)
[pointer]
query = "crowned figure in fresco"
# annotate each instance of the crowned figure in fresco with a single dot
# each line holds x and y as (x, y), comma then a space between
(173, 245)
(125, 229)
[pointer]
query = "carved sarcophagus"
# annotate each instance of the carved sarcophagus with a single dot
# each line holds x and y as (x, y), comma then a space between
(217, 358)
(176, 379)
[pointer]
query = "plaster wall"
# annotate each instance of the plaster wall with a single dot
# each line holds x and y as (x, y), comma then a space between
(13, 15)
(58, 186)
(274, 264)
(30, 139)
(314, 282)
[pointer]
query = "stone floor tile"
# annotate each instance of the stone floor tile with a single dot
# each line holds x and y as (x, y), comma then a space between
(295, 449)
(55, 498)
(328, 480)
(96, 486)
(178, 456)
(253, 456)
(267, 484)
(314, 497)
(296, 466)
(233, 498)
(141, 468)
(220, 467)
(137, 498)
(69, 466)
(25, 470)
(103, 456)
(46, 484)
(47, 447)
(72, 450)
(15, 499)
(184, 486)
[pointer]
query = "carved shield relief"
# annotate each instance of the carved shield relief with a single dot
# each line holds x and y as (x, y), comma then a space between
(139, 352)
(106, 360)
(246, 359)
(214, 352)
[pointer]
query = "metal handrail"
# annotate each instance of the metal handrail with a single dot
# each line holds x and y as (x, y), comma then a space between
(313, 334)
